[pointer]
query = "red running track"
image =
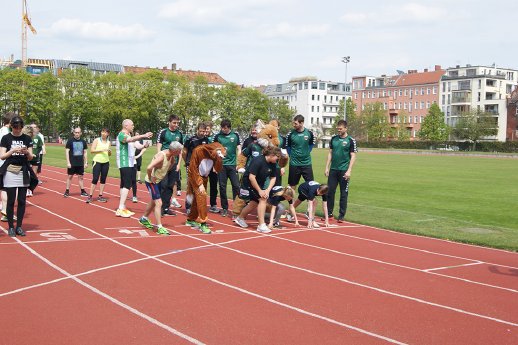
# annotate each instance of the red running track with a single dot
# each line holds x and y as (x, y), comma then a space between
(84, 276)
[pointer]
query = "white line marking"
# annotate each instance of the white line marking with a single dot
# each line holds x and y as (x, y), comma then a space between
(108, 297)
(302, 311)
(293, 267)
(454, 266)
(58, 230)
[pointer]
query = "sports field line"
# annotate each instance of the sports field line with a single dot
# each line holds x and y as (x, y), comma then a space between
(106, 296)
(178, 251)
(454, 266)
(383, 291)
(373, 228)
(247, 292)
(358, 256)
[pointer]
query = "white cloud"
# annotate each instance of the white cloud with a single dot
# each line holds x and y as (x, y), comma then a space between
(391, 15)
(99, 31)
(283, 30)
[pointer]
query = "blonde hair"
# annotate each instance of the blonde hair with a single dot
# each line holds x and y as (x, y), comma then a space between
(286, 192)
(27, 129)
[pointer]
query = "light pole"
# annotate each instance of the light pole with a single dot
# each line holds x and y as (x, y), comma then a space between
(345, 60)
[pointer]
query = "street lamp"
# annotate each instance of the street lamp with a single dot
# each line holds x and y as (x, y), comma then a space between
(345, 60)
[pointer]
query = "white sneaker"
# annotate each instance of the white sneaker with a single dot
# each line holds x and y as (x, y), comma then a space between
(241, 222)
(290, 218)
(263, 228)
(29, 192)
(134, 199)
(175, 203)
(178, 193)
(315, 225)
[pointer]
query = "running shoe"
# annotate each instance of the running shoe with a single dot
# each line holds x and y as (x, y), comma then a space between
(223, 212)
(101, 199)
(122, 213)
(168, 212)
(129, 212)
(40, 182)
(4, 218)
(83, 193)
(89, 200)
(214, 209)
(29, 193)
(277, 225)
(162, 231)
(145, 222)
(178, 193)
(263, 228)
(205, 228)
(315, 225)
(19, 231)
(175, 203)
(11, 232)
(290, 218)
(193, 224)
(340, 219)
(66, 194)
(134, 199)
(241, 222)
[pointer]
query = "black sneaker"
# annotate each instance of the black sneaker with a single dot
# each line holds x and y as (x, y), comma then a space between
(89, 200)
(340, 219)
(213, 209)
(20, 232)
(224, 213)
(83, 193)
(11, 232)
(102, 199)
(66, 194)
(168, 212)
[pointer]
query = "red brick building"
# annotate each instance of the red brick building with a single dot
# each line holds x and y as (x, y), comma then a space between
(212, 78)
(512, 117)
(406, 97)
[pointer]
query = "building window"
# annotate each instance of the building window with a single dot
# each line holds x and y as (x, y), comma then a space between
(314, 85)
(415, 118)
(305, 85)
(311, 120)
(384, 93)
(318, 97)
(318, 120)
(300, 86)
(325, 98)
(443, 99)
(322, 86)
(312, 109)
(318, 108)
(422, 105)
(404, 106)
(427, 90)
(434, 90)
(355, 95)
(410, 106)
(312, 97)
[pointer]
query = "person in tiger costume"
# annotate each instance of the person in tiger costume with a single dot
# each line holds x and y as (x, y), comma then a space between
(204, 159)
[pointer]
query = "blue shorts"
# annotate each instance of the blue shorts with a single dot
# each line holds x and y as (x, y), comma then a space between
(154, 189)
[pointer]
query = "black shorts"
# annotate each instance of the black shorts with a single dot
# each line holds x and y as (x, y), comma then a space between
(295, 172)
(126, 177)
(76, 170)
(249, 194)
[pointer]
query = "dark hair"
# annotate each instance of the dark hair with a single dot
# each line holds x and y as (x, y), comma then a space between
(208, 124)
(202, 125)
(298, 118)
(17, 120)
(341, 123)
(272, 150)
(173, 117)
(105, 129)
(226, 123)
(323, 188)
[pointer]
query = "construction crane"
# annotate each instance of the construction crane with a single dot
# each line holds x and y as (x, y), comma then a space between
(26, 23)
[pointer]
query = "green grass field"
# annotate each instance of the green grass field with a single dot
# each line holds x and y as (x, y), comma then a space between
(467, 199)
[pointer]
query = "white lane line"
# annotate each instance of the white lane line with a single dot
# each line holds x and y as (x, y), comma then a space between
(106, 296)
(454, 266)
(387, 243)
(414, 299)
(299, 310)
(362, 257)
(50, 230)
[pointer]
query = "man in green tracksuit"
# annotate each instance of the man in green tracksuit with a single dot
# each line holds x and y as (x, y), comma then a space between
(299, 143)
(231, 141)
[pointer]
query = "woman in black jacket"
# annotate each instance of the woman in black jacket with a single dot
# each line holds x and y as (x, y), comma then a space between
(15, 173)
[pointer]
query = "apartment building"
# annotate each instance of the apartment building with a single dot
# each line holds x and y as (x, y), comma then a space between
(406, 96)
(213, 79)
(481, 88)
(317, 100)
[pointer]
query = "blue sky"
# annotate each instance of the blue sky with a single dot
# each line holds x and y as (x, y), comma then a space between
(256, 42)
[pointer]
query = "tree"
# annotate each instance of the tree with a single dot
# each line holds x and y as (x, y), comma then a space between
(374, 118)
(43, 97)
(279, 109)
(355, 125)
(13, 91)
(474, 126)
(433, 127)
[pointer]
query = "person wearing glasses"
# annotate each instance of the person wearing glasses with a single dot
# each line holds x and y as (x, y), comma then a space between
(16, 173)
(77, 161)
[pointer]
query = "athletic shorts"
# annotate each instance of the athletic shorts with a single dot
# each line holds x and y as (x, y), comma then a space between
(154, 189)
(295, 172)
(76, 171)
(126, 177)
(249, 194)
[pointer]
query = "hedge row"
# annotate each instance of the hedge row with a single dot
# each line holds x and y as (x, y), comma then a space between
(509, 146)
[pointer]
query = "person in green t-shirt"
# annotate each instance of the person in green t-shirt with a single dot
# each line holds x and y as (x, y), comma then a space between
(231, 141)
(340, 161)
(299, 143)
